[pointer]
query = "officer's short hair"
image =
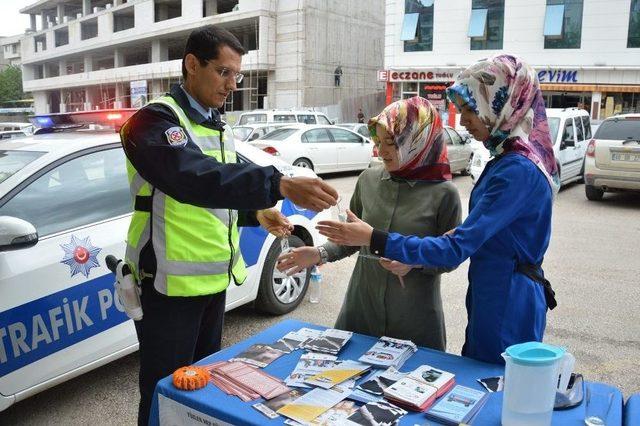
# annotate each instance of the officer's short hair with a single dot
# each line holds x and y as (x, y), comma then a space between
(205, 43)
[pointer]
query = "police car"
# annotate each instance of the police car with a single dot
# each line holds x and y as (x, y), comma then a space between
(65, 206)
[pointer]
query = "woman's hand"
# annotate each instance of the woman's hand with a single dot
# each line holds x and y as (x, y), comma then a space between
(354, 232)
(395, 267)
(274, 222)
(297, 259)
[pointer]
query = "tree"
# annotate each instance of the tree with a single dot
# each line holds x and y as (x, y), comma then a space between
(11, 84)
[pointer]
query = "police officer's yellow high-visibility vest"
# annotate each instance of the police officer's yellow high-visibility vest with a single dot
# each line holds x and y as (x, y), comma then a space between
(196, 249)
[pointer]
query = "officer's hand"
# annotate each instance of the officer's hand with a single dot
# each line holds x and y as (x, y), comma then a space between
(309, 193)
(274, 222)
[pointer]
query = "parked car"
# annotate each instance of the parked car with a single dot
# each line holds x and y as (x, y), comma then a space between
(283, 116)
(26, 128)
(324, 149)
(459, 151)
(251, 132)
(359, 128)
(65, 205)
(612, 162)
(570, 130)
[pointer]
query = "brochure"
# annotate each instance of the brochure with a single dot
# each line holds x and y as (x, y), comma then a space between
(378, 380)
(340, 372)
(442, 380)
(389, 352)
(309, 365)
(269, 408)
(458, 406)
(296, 338)
(331, 341)
(376, 414)
(259, 355)
(245, 381)
(335, 416)
(411, 393)
(312, 404)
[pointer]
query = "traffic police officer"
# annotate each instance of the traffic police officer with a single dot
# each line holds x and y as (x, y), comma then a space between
(190, 195)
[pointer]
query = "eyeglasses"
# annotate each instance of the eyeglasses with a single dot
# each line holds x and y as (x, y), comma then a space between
(226, 73)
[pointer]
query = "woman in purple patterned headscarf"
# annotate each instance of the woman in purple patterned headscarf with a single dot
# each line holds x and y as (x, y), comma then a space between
(508, 228)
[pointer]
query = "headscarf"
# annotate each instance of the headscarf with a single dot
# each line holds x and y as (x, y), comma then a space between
(505, 93)
(416, 129)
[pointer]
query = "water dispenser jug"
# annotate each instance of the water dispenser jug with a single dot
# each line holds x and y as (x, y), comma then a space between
(531, 380)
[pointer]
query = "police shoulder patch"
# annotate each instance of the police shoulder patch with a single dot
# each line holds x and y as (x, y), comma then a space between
(176, 136)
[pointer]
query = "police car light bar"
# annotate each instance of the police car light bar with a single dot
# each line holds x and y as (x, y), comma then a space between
(113, 118)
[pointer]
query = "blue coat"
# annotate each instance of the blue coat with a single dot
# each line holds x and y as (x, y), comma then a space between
(509, 223)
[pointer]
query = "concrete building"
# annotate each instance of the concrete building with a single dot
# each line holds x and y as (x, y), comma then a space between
(10, 50)
(88, 54)
(586, 52)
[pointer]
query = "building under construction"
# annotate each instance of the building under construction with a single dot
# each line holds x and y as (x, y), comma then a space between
(89, 54)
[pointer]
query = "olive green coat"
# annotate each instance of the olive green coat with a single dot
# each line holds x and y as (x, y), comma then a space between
(375, 303)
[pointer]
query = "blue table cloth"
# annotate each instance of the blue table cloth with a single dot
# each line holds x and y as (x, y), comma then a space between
(632, 411)
(209, 405)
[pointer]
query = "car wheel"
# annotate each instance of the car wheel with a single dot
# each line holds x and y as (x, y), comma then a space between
(278, 293)
(593, 193)
(304, 163)
(467, 169)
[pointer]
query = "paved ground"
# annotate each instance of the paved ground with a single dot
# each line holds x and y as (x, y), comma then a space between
(593, 263)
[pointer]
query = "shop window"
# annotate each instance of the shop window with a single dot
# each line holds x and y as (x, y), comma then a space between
(633, 39)
(486, 26)
(417, 26)
(569, 18)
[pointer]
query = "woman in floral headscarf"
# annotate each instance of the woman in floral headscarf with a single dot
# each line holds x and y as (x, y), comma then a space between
(509, 225)
(411, 194)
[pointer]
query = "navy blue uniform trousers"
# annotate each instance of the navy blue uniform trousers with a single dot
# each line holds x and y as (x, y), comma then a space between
(170, 340)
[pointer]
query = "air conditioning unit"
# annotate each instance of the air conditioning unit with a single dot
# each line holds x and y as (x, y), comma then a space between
(79, 15)
(65, 19)
(107, 6)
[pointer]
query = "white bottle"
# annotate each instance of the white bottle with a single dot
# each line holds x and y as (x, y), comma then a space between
(314, 285)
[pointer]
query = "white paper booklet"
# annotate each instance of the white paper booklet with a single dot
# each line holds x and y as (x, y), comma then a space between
(389, 352)
(312, 404)
(309, 365)
(331, 341)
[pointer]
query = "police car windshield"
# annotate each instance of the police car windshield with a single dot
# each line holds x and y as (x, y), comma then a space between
(12, 161)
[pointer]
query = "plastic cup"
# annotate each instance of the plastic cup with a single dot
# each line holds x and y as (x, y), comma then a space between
(598, 404)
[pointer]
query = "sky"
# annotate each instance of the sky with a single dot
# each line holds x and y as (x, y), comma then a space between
(13, 22)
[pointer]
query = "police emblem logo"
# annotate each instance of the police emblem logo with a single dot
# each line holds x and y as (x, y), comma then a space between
(80, 255)
(176, 136)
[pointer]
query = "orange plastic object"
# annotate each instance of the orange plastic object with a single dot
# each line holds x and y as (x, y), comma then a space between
(190, 378)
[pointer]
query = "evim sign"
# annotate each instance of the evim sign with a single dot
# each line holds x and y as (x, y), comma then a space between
(558, 76)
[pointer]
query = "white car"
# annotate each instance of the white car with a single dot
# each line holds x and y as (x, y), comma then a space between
(612, 162)
(251, 132)
(570, 130)
(64, 206)
(282, 116)
(324, 149)
(26, 128)
(359, 128)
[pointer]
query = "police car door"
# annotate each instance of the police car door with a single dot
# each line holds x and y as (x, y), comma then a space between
(57, 307)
